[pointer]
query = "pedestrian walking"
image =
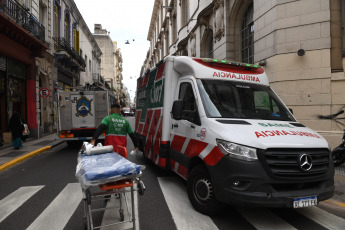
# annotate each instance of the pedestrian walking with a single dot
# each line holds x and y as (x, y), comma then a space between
(16, 126)
(116, 129)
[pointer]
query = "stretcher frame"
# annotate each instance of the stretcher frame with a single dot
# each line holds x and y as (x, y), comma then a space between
(107, 190)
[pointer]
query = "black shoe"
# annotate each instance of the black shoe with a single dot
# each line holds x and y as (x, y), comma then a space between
(16, 148)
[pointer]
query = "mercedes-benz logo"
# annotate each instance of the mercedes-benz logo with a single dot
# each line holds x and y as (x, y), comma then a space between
(305, 162)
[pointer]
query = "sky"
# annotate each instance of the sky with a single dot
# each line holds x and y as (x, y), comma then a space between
(125, 20)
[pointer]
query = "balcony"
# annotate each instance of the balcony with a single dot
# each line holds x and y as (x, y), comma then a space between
(21, 15)
(96, 77)
(67, 53)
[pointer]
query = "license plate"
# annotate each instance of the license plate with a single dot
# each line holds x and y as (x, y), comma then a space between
(302, 202)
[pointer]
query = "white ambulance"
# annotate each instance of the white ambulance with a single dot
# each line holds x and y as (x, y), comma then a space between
(220, 126)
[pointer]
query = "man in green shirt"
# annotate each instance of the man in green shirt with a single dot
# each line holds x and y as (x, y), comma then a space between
(116, 129)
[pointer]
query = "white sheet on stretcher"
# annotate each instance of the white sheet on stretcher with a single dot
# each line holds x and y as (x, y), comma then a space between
(93, 170)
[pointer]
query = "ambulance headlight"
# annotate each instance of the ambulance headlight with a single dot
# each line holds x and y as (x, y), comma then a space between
(237, 151)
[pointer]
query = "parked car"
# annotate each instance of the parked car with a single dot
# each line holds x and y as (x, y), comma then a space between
(127, 112)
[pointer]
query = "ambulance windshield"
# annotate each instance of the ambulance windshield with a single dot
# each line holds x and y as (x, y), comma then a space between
(228, 99)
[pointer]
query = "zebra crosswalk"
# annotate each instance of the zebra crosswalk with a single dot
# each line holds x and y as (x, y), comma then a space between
(57, 214)
(185, 217)
(13, 201)
(62, 208)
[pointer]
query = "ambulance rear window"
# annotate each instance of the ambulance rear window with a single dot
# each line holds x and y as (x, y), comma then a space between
(226, 99)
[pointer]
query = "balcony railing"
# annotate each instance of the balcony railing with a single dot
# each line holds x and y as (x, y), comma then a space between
(61, 44)
(96, 77)
(23, 17)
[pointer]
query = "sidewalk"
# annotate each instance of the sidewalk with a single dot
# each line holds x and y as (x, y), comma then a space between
(31, 147)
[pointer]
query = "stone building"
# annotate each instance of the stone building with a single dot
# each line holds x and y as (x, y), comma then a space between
(111, 60)
(118, 71)
(43, 44)
(25, 61)
(299, 43)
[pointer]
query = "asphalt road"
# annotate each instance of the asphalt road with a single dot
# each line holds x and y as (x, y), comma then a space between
(45, 192)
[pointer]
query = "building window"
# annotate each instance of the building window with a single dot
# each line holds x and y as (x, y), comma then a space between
(184, 12)
(247, 48)
(207, 44)
(43, 15)
(210, 44)
(167, 43)
(343, 24)
(67, 27)
(56, 21)
(174, 34)
(90, 66)
(75, 42)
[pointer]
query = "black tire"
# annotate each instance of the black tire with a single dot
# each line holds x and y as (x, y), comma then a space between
(201, 193)
(141, 188)
(338, 155)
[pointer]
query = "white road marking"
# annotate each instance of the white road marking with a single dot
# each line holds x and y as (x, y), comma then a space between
(13, 201)
(112, 215)
(60, 210)
(184, 215)
(323, 218)
(264, 219)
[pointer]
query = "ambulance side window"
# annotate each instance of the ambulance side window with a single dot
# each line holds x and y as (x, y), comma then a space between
(187, 96)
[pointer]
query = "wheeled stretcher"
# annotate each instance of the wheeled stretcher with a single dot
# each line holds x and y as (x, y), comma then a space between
(109, 175)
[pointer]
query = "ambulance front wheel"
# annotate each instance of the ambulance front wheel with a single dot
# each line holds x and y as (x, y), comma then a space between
(201, 193)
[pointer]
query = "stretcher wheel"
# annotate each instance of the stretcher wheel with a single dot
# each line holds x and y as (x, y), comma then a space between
(141, 187)
(122, 216)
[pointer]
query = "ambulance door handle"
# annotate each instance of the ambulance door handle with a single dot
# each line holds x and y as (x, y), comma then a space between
(175, 125)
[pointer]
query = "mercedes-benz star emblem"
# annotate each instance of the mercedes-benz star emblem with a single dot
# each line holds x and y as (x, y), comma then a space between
(305, 162)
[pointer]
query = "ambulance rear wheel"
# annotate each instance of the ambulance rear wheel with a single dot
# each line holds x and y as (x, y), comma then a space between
(201, 193)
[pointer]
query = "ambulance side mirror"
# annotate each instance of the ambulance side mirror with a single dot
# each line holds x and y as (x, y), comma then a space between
(291, 111)
(177, 110)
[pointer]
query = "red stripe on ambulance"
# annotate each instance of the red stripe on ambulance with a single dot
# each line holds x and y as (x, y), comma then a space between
(195, 147)
(151, 131)
(177, 143)
(148, 121)
(213, 157)
(137, 121)
(160, 72)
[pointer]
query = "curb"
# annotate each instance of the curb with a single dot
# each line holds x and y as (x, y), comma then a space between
(29, 155)
(23, 157)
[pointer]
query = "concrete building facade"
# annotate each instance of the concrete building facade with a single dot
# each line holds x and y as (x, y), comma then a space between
(299, 43)
(111, 60)
(44, 44)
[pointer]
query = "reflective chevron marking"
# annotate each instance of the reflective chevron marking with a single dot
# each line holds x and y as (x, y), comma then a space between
(60, 210)
(13, 201)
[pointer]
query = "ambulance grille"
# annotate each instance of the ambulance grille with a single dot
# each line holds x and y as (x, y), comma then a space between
(285, 162)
